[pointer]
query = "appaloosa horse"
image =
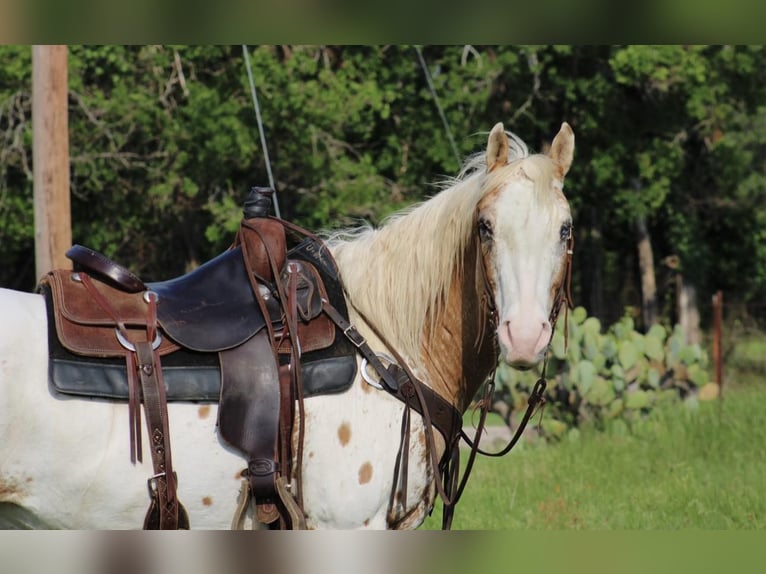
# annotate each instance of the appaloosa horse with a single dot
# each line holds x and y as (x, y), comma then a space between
(445, 287)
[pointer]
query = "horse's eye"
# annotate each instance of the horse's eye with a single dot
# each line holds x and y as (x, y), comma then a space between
(566, 231)
(485, 230)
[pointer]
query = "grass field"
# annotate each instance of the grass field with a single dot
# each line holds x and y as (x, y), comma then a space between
(681, 468)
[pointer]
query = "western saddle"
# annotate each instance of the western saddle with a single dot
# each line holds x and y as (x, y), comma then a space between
(257, 307)
(257, 329)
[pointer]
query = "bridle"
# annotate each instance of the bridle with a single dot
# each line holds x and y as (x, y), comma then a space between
(536, 398)
(399, 380)
(563, 298)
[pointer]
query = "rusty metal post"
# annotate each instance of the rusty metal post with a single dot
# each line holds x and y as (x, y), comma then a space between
(718, 340)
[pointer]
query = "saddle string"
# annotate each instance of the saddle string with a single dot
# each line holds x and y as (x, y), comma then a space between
(142, 357)
(400, 470)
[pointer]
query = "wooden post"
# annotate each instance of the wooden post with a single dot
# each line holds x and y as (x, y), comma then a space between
(50, 155)
(718, 340)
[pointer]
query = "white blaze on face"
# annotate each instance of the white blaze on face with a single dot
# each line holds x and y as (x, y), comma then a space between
(524, 245)
(526, 255)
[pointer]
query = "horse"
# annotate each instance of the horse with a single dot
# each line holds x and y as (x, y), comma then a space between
(473, 274)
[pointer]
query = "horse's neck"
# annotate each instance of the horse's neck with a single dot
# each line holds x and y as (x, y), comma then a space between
(460, 352)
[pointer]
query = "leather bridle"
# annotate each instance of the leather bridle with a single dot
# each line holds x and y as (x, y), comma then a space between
(401, 382)
(563, 298)
(537, 396)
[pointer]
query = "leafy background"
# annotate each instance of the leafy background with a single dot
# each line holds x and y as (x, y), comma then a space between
(164, 147)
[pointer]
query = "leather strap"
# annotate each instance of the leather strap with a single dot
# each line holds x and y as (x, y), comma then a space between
(444, 416)
(351, 333)
(165, 511)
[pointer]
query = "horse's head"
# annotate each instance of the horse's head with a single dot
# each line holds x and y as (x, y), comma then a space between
(525, 229)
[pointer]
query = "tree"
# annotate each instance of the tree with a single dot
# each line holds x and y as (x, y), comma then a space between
(164, 147)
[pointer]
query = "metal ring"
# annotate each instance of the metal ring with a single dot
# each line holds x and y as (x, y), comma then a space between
(366, 376)
(130, 347)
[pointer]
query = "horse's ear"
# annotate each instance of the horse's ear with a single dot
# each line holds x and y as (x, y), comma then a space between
(562, 150)
(497, 147)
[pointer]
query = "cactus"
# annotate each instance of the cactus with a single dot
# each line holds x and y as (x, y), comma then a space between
(628, 354)
(611, 375)
(654, 345)
(637, 400)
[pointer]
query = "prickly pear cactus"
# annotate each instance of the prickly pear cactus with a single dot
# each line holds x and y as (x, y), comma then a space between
(597, 376)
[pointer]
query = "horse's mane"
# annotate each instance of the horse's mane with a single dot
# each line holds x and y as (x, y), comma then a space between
(400, 273)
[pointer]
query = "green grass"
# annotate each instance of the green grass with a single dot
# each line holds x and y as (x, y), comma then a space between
(680, 468)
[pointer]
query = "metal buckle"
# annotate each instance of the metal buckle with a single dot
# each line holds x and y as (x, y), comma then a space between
(354, 336)
(151, 482)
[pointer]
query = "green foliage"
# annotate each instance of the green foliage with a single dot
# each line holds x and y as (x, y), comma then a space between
(617, 374)
(164, 146)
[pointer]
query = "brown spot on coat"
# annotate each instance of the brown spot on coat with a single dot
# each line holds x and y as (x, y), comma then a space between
(365, 473)
(204, 411)
(11, 489)
(207, 501)
(344, 433)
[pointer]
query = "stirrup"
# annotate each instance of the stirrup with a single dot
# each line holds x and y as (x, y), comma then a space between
(243, 502)
(297, 518)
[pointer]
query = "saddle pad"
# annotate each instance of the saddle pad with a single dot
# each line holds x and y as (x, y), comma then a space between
(96, 378)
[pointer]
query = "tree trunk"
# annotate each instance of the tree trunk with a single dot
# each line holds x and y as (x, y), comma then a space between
(688, 311)
(648, 279)
(594, 267)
